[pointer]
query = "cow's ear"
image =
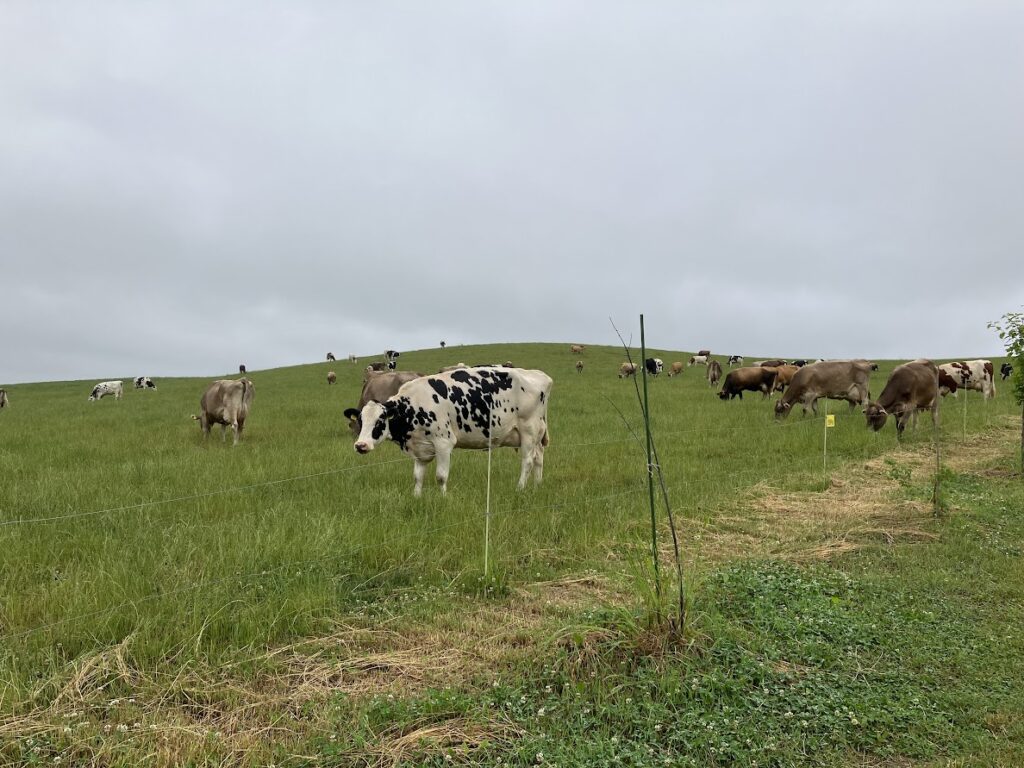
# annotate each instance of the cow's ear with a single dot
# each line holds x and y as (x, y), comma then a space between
(351, 414)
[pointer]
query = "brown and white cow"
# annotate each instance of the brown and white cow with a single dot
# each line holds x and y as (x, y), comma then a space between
(911, 387)
(714, 372)
(749, 379)
(331, 377)
(951, 378)
(698, 360)
(478, 408)
(675, 369)
(981, 377)
(377, 387)
(626, 370)
(226, 402)
(835, 379)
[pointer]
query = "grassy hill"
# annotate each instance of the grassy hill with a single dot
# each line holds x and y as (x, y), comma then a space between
(290, 601)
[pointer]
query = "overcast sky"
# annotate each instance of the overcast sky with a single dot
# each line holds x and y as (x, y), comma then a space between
(187, 186)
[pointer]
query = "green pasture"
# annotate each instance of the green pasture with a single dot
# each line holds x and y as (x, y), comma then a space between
(120, 528)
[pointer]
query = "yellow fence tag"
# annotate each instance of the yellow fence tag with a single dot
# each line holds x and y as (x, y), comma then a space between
(830, 420)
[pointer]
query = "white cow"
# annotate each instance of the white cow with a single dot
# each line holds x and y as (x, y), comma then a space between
(105, 388)
(698, 360)
(466, 408)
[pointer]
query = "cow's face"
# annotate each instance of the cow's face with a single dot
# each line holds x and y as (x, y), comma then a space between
(876, 416)
(782, 409)
(373, 429)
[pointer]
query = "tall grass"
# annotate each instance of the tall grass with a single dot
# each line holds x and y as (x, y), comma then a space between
(196, 548)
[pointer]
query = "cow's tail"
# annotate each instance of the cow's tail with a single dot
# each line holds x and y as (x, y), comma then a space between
(194, 417)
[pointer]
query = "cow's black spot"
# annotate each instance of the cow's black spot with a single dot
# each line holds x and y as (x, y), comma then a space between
(439, 387)
(400, 419)
(462, 375)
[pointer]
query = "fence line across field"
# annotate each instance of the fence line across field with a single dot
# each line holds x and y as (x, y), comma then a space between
(351, 468)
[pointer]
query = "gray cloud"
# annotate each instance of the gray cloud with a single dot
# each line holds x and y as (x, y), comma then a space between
(190, 186)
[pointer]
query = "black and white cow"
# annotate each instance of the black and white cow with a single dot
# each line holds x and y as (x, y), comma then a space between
(105, 388)
(466, 408)
(735, 360)
(1005, 370)
(391, 356)
(144, 382)
(654, 365)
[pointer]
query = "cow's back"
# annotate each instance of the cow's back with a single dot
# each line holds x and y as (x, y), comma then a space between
(915, 384)
(226, 400)
(828, 378)
(484, 404)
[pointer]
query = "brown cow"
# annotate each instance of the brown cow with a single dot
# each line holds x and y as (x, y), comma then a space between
(4, 402)
(675, 369)
(786, 373)
(704, 353)
(579, 366)
(836, 379)
(749, 379)
(374, 368)
(377, 387)
(226, 402)
(331, 377)
(911, 387)
(770, 363)
(714, 372)
(627, 369)
(577, 349)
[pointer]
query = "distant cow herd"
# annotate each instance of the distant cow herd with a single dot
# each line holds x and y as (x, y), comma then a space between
(497, 405)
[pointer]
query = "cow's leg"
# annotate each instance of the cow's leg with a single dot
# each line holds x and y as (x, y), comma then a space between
(538, 463)
(237, 427)
(444, 463)
(527, 447)
(223, 433)
(419, 471)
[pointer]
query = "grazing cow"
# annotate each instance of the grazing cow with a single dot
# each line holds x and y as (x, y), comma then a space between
(735, 360)
(144, 382)
(675, 369)
(226, 402)
(837, 380)
(330, 357)
(799, 363)
(241, 368)
(577, 349)
(353, 359)
(704, 352)
(331, 377)
(698, 360)
(950, 379)
(750, 379)
(654, 365)
(982, 378)
(769, 363)
(714, 372)
(474, 408)
(911, 387)
(4, 402)
(1005, 371)
(579, 366)
(626, 370)
(105, 388)
(377, 388)
(786, 374)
